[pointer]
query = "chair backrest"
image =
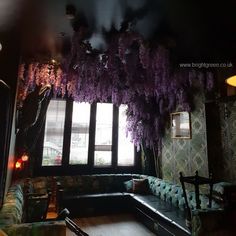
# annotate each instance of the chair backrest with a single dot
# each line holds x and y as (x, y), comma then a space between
(196, 180)
(36, 207)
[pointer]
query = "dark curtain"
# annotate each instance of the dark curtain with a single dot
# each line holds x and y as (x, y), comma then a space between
(31, 122)
(5, 133)
(151, 161)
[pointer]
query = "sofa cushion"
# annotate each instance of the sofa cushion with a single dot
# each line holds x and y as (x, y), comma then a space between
(128, 186)
(163, 209)
(89, 184)
(140, 186)
(137, 186)
(93, 204)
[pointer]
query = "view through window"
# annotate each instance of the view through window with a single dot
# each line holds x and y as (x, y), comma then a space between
(103, 138)
(82, 138)
(54, 130)
(125, 146)
(80, 133)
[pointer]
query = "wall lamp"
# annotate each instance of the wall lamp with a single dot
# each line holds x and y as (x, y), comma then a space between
(231, 81)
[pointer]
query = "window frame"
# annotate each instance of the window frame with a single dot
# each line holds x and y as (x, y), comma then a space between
(68, 169)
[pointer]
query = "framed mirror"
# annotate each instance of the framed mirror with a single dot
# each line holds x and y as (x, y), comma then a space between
(180, 125)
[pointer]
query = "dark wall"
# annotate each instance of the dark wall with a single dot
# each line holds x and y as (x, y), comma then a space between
(212, 148)
(9, 60)
(228, 135)
(5, 127)
(187, 155)
(214, 139)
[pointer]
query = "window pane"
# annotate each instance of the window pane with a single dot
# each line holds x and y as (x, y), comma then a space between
(102, 158)
(103, 135)
(125, 146)
(54, 129)
(80, 133)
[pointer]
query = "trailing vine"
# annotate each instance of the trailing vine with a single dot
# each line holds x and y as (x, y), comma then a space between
(129, 72)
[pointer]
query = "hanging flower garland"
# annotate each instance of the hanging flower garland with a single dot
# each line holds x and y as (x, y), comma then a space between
(129, 72)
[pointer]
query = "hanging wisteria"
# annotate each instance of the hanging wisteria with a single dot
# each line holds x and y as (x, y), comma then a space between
(130, 72)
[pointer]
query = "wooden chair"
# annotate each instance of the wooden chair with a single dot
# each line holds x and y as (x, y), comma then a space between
(74, 227)
(196, 180)
(64, 215)
(35, 204)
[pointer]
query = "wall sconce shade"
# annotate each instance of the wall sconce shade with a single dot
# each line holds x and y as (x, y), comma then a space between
(24, 157)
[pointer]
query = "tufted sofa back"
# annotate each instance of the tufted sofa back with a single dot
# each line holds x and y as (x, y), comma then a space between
(105, 183)
(13, 206)
(100, 183)
(173, 193)
(12, 209)
(11, 213)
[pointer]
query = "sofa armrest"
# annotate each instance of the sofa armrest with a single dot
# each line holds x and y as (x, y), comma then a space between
(52, 228)
(212, 222)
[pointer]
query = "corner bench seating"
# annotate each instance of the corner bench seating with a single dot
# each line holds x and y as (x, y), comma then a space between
(12, 216)
(162, 208)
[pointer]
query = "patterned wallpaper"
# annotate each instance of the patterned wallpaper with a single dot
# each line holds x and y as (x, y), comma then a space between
(228, 134)
(187, 155)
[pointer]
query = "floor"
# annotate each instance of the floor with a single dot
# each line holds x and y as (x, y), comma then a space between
(112, 225)
(51, 215)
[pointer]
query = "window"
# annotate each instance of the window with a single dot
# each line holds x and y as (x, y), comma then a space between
(79, 141)
(125, 147)
(81, 135)
(103, 135)
(53, 138)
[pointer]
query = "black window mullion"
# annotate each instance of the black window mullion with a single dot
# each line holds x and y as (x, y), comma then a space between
(67, 133)
(39, 151)
(92, 128)
(115, 136)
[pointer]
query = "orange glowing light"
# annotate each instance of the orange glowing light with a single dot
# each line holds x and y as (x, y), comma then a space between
(25, 157)
(18, 164)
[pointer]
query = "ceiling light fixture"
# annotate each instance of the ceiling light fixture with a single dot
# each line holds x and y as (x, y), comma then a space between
(0, 47)
(53, 61)
(231, 81)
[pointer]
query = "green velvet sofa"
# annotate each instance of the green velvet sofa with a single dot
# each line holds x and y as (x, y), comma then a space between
(12, 217)
(160, 204)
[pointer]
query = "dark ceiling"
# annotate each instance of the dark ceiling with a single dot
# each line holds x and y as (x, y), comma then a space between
(193, 30)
